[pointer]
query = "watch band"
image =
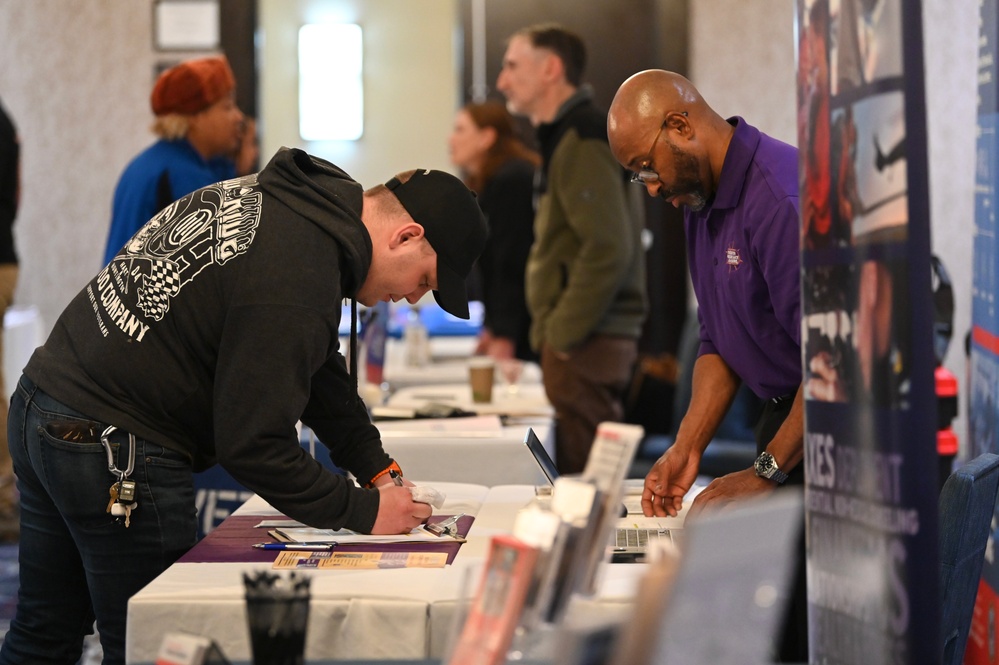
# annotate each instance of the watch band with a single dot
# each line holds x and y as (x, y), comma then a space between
(778, 476)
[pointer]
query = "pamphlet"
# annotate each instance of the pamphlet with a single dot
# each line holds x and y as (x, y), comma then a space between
(290, 559)
(308, 534)
(606, 467)
(498, 603)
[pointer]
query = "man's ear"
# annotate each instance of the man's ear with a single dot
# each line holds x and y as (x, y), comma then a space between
(553, 67)
(406, 233)
(678, 122)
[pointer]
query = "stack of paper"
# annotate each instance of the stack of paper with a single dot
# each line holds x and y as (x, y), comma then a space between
(305, 534)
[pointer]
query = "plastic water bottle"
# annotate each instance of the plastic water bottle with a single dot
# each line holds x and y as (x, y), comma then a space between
(416, 340)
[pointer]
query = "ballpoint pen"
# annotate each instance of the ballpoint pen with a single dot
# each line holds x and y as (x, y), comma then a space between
(396, 477)
(303, 547)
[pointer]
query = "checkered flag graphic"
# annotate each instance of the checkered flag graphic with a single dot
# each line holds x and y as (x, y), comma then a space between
(161, 284)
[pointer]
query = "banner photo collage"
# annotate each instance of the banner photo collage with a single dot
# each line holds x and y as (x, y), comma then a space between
(983, 374)
(870, 410)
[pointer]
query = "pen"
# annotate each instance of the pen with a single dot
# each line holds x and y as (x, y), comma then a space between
(396, 478)
(304, 547)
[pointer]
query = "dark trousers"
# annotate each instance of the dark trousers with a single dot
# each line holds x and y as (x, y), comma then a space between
(794, 637)
(585, 389)
(77, 562)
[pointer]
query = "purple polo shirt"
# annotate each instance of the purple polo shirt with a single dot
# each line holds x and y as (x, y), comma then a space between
(745, 264)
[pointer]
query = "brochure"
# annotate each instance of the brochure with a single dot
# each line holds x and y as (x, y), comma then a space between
(307, 534)
(359, 560)
(498, 603)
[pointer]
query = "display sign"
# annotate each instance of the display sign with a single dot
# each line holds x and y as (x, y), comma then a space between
(870, 430)
(984, 370)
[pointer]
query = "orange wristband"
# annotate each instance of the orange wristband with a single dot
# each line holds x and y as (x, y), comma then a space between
(391, 467)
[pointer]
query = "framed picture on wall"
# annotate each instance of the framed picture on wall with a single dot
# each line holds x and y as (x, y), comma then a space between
(186, 25)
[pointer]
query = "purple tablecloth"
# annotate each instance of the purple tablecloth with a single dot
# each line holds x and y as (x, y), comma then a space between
(233, 540)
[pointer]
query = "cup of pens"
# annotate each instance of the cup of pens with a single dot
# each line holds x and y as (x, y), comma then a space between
(277, 614)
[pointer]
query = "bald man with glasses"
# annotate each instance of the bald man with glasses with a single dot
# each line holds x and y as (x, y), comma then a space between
(739, 189)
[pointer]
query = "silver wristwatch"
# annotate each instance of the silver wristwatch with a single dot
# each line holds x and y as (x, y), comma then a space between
(766, 467)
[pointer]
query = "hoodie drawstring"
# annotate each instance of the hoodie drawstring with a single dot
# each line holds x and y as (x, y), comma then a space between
(353, 348)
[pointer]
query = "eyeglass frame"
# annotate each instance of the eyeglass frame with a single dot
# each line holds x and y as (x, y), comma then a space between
(646, 175)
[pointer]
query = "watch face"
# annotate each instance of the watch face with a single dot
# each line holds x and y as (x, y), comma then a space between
(765, 465)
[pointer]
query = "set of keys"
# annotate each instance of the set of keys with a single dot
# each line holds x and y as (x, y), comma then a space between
(122, 492)
(122, 501)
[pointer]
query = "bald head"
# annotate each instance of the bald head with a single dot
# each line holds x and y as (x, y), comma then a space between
(643, 101)
(645, 95)
(656, 106)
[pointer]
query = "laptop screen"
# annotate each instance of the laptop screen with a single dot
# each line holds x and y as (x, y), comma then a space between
(541, 455)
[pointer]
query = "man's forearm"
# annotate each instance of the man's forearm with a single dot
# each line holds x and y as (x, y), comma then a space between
(713, 388)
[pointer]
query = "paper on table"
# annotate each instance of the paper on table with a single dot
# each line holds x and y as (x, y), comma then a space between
(283, 523)
(342, 536)
(633, 498)
(478, 426)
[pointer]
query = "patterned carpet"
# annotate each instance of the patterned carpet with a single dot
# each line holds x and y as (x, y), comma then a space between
(8, 585)
(8, 602)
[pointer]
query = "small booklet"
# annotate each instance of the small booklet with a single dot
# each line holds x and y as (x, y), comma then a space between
(306, 534)
(498, 603)
(359, 560)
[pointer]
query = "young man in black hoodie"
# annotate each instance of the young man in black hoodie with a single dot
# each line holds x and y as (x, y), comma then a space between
(206, 339)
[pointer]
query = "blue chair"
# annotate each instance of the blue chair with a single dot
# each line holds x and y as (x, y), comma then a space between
(217, 494)
(967, 503)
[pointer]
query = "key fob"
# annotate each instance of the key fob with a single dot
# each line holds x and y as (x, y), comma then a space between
(126, 491)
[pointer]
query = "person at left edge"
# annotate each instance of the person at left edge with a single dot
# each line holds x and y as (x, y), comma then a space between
(207, 338)
(10, 196)
(199, 127)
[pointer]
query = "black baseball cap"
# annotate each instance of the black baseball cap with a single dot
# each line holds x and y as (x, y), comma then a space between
(453, 225)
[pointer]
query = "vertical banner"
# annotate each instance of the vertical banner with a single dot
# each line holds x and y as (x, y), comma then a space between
(984, 370)
(870, 431)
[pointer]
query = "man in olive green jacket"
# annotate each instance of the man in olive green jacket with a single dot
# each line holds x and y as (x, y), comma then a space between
(586, 271)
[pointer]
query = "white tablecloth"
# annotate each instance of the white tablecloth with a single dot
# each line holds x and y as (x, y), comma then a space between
(369, 614)
(529, 400)
(448, 362)
(493, 456)
(22, 333)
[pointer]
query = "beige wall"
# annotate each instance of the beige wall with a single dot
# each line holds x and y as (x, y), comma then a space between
(75, 79)
(410, 82)
(742, 61)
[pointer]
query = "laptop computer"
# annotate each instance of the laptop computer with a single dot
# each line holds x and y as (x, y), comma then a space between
(541, 455)
(725, 602)
(632, 536)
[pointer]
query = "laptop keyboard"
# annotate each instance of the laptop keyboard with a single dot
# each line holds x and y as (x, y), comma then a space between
(635, 537)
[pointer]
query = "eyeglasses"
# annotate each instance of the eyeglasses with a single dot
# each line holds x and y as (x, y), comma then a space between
(646, 175)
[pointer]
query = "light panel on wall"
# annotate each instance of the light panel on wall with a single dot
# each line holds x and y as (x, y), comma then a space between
(330, 88)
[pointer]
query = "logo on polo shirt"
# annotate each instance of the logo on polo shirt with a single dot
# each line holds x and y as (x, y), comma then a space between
(732, 258)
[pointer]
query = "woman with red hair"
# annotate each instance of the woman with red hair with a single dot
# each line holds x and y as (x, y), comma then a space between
(500, 169)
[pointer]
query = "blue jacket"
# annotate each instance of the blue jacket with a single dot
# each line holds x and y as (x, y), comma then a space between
(158, 176)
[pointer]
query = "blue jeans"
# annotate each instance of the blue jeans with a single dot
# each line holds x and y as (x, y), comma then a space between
(77, 562)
